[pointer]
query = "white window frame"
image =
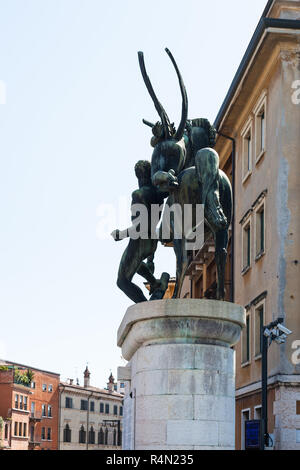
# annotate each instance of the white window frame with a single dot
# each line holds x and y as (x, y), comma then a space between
(258, 407)
(247, 222)
(261, 106)
(257, 210)
(247, 129)
(248, 362)
(262, 303)
(243, 412)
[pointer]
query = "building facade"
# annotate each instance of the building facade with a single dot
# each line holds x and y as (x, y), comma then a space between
(258, 142)
(90, 417)
(32, 408)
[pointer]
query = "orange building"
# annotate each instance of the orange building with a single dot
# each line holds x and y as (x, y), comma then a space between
(40, 428)
(14, 410)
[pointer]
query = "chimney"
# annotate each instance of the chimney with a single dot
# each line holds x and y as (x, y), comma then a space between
(86, 375)
(110, 383)
(71, 381)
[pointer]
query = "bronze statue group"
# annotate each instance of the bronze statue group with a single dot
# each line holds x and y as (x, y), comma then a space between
(184, 169)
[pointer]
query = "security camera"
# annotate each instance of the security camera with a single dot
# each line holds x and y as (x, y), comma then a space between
(279, 340)
(284, 329)
(267, 332)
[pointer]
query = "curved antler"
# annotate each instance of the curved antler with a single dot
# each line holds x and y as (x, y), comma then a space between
(184, 112)
(158, 106)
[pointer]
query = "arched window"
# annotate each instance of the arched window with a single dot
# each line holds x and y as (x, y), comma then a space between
(115, 438)
(67, 433)
(92, 436)
(101, 437)
(82, 435)
(106, 437)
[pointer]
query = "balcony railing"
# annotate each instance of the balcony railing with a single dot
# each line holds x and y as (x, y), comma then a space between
(36, 416)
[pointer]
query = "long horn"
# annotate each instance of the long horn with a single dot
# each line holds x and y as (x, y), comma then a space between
(158, 106)
(147, 123)
(184, 111)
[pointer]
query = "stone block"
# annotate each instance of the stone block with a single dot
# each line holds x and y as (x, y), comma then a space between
(226, 436)
(150, 432)
(214, 408)
(192, 433)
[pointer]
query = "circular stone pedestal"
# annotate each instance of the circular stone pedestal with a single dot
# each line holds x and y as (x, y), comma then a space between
(182, 373)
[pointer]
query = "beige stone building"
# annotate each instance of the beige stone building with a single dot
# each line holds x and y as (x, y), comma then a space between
(90, 417)
(260, 118)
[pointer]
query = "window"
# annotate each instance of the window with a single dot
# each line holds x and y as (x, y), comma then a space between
(298, 436)
(50, 388)
(101, 407)
(16, 429)
(247, 150)
(115, 387)
(260, 127)
(6, 432)
(16, 401)
(92, 406)
(107, 408)
(44, 387)
(32, 433)
(84, 405)
(298, 407)
(49, 434)
(32, 407)
(21, 402)
(49, 411)
(245, 417)
(259, 321)
(20, 429)
(260, 230)
(121, 410)
(25, 403)
(25, 430)
(43, 434)
(114, 438)
(122, 385)
(101, 437)
(82, 435)
(246, 246)
(92, 436)
(257, 412)
(67, 433)
(106, 437)
(32, 384)
(43, 410)
(115, 410)
(69, 402)
(246, 342)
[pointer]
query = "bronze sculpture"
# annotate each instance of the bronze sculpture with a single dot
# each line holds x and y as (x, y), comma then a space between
(139, 249)
(185, 169)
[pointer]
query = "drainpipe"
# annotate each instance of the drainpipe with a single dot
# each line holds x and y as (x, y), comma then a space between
(88, 422)
(59, 415)
(233, 213)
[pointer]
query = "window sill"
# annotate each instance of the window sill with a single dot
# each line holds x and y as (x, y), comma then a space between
(247, 175)
(245, 364)
(245, 270)
(257, 358)
(259, 157)
(259, 256)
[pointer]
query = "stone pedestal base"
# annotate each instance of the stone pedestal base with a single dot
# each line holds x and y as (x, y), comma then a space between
(181, 376)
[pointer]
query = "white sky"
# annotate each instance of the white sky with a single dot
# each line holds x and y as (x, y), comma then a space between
(70, 134)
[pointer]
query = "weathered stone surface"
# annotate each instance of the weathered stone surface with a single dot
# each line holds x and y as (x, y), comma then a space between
(192, 433)
(183, 385)
(214, 408)
(180, 320)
